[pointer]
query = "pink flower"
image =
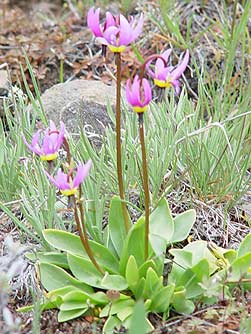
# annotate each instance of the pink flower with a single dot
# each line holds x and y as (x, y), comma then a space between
(66, 183)
(167, 76)
(138, 94)
(47, 143)
(116, 33)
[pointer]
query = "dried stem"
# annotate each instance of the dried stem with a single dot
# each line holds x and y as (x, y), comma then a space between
(145, 182)
(118, 142)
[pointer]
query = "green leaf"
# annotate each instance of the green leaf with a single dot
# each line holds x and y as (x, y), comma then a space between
(240, 267)
(161, 227)
(69, 242)
(138, 321)
(59, 259)
(180, 303)
(61, 292)
(132, 273)
(200, 251)
(84, 270)
(145, 266)
(182, 225)
(77, 300)
(153, 283)
(125, 313)
(193, 276)
(114, 282)
(117, 231)
(230, 255)
(74, 300)
(182, 257)
(116, 307)
(71, 314)
(245, 246)
(140, 288)
(110, 324)
(53, 277)
(133, 245)
(162, 299)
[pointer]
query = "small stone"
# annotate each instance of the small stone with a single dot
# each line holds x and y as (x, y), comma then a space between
(4, 89)
(4, 83)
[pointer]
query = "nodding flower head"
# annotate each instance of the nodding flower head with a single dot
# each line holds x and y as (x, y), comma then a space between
(168, 76)
(68, 183)
(116, 32)
(138, 94)
(47, 143)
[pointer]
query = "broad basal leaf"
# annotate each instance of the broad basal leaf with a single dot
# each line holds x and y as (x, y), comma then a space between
(161, 227)
(182, 225)
(117, 231)
(69, 242)
(71, 314)
(53, 277)
(132, 273)
(133, 245)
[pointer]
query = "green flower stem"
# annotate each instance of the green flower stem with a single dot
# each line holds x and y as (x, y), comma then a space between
(118, 142)
(82, 230)
(145, 182)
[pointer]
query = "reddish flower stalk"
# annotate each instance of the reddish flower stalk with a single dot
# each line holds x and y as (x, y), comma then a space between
(82, 229)
(145, 182)
(118, 143)
(139, 95)
(69, 184)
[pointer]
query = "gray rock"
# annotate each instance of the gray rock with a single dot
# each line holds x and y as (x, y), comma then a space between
(4, 89)
(4, 83)
(80, 103)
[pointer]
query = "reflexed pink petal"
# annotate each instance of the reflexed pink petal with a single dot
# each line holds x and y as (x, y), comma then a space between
(81, 174)
(61, 180)
(51, 179)
(125, 34)
(52, 126)
(133, 93)
(93, 21)
(130, 94)
(136, 91)
(60, 138)
(128, 91)
(180, 69)
(35, 138)
(176, 85)
(33, 148)
(48, 145)
(110, 35)
(163, 75)
(147, 92)
(159, 63)
(109, 21)
(138, 29)
(148, 67)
